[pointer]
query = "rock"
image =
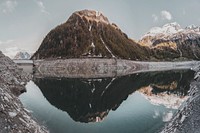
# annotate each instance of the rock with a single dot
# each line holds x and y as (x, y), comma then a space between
(187, 119)
(13, 117)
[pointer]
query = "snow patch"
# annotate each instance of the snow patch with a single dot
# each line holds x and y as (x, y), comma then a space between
(93, 89)
(90, 27)
(22, 55)
(171, 30)
(98, 13)
(167, 29)
(107, 86)
(90, 105)
(92, 45)
(107, 47)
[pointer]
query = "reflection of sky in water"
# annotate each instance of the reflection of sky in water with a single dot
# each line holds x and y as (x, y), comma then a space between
(136, 114)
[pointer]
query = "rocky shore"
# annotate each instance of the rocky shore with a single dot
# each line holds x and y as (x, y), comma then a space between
(187, 119)
(14, 118)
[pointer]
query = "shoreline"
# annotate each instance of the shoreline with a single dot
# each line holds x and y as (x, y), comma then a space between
(14, 118)
(99, 68)
(187, 118)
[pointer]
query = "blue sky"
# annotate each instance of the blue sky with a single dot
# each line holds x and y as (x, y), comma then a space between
(24, 23)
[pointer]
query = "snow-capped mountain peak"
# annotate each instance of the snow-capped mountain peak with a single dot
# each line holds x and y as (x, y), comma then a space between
(92, 15)
(167, 29)
(191, 27)
(170, 32)
(174, 25)
(22, 56)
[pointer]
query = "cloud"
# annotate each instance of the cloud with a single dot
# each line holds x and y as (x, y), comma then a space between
(42, 7)
(9, 6)
(11, 51)
(166, 15)
(8, 47)
(155, 17)
(6, 42)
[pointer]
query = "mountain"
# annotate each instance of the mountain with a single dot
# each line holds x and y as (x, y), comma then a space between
(89, 34)
(22, 56)
(177, 41)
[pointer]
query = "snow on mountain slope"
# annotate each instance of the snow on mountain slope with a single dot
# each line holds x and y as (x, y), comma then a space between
(167, 29)
(170, 31)
(22, 56)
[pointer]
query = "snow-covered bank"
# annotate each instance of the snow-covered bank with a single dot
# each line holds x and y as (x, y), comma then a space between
(96, 68)
(14, 118)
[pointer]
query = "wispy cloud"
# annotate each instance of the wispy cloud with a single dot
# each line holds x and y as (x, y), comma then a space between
(6, 42)
(155, 17)
(9, 48)
(42, 7)
(163, 15)
(166, 15)
(11, 51)
(9, 6)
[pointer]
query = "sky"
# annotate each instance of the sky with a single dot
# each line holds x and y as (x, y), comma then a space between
(25, 23)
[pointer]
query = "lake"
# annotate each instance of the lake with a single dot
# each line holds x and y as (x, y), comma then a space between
(137, 103)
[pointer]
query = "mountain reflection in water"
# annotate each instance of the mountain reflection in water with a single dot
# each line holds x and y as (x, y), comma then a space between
(90, 100)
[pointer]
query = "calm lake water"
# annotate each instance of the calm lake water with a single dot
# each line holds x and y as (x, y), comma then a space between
(139, 103)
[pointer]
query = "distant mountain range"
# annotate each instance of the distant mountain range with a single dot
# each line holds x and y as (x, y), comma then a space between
(183, 42)
(22, 56)
(90, 34)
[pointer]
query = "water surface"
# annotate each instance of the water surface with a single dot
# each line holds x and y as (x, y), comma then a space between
(139, 103)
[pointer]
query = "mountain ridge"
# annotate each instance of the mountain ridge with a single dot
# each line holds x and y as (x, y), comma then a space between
(182, 42)
(171, 31)
(89, 34)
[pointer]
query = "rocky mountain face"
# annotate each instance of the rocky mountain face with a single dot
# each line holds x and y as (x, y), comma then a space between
(89, 34)
(13, 117)
(174, 41)
(22, 56)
